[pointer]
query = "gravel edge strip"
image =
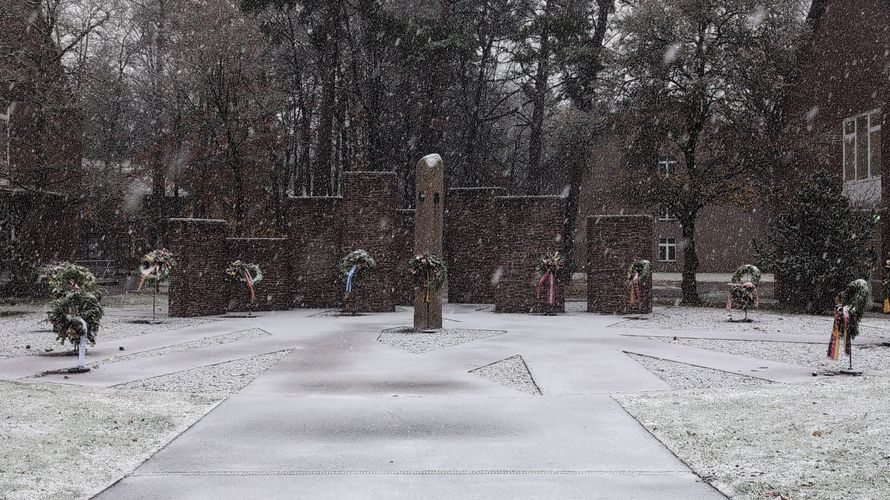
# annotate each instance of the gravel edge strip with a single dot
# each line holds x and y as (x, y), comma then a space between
(407, 339)
(682, 376)
(512, 372)
(215, 340)
(222, 378)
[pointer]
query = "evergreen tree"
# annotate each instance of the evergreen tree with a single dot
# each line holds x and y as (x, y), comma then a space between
(818, 244)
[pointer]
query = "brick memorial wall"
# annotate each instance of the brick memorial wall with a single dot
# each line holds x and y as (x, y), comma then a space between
(528, 228)
(470, 241)
(369, 223)
(486, 235)
(614, 242)
(198, 284)
(314, 231)
(273, 255)
(404, 248)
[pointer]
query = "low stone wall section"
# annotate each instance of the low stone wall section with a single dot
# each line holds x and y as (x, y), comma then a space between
(471, 238)
(274, 258)
(529, 227)
(614, 242)
(197, 284)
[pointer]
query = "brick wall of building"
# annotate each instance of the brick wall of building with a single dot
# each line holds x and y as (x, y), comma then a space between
(197, 284)
(470, 243)
(45, 223)
(314, 231)
(404, 244)
(369, 223)
(528, 228)
(273, 255)
(614, 242)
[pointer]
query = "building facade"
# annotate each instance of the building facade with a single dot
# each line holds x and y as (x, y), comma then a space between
(725, 234)
(843, 99)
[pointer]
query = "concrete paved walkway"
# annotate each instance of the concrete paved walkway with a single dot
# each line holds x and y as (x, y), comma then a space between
(345, 416)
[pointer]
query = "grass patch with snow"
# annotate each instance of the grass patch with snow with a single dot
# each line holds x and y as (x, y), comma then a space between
(829, 439)
(60, 441)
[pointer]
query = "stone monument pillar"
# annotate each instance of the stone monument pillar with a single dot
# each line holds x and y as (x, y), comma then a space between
(428, 222)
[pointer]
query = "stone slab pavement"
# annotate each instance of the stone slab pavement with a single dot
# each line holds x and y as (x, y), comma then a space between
(345, 416)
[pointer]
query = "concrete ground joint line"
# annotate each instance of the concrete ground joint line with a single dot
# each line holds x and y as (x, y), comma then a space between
(422, 472)
(531, 375)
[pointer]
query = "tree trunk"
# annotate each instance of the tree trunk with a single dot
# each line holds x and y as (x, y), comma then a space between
(157, 167)
(321, 178)
(689, 285)
(304, 164)
(573, 207)
(539, 101)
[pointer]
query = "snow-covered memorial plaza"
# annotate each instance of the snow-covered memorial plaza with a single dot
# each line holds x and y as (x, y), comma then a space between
(444, 249)
(246, 368)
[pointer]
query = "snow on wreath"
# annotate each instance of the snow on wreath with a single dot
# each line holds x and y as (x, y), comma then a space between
(66, 277)
(743, 292)
(156, 267)
(355, 266)
(76, 308)
(74, 315)
(638, 274)
(247, 273)
(428, 272)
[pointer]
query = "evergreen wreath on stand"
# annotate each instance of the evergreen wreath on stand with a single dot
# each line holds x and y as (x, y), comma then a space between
(743, 293)
(64, 277)
(549, 268)
(76, 310)
(66, 313)
(637, 275)
(155, 267)
(354, 267)
(851, 304)
(428, 272)
(247, 274)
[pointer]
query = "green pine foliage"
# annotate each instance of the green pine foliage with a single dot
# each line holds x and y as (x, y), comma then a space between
(65, 314)
(76, 296)
(818, 244)
(67, 277)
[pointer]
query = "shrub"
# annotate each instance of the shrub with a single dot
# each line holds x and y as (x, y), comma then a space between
(818, 244)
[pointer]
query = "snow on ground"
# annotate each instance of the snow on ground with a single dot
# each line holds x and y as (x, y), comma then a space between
(420, 342)
(30, 334)
(243, 335)
(683, 376)
(63, 441)
(829, 439)
(222, 379)
(869, 358)
(701, 318)
(511, 372)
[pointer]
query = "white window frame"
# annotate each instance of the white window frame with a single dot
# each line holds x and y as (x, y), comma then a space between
(665, 215)
(668, 245)
(854, 137)
(667, 168)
